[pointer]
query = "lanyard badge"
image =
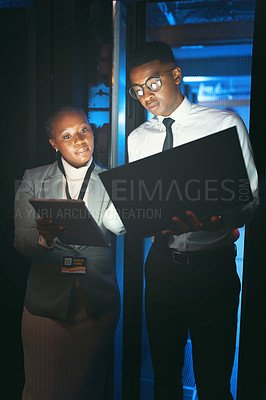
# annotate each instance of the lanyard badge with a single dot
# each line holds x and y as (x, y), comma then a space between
(85, 181)
(74, 265)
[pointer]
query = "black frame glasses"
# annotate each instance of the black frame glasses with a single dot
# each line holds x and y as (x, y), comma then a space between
(153, 84)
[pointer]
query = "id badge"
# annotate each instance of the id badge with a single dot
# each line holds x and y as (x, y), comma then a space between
(74, 265)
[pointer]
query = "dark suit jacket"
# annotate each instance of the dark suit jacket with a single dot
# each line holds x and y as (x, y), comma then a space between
(48, 289)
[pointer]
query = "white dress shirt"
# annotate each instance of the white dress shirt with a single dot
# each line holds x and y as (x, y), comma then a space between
(192, 122)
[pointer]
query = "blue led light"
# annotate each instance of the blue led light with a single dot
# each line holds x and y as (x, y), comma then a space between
(15, 3)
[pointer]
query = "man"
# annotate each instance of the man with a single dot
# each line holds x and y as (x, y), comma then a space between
(191, 279)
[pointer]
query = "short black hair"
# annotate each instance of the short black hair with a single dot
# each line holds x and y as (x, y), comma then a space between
(55, 114)
(150, 51)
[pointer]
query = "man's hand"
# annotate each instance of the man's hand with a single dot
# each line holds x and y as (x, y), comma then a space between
(193, 224)
(48, 230)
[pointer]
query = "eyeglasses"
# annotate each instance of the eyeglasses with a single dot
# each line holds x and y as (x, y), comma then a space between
(153, 84)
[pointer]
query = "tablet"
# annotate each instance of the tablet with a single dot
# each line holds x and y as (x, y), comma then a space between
(74, 216)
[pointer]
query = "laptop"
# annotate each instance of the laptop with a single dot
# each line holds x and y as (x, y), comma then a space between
(206, 176)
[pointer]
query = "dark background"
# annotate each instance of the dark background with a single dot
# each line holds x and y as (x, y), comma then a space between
(44, 63)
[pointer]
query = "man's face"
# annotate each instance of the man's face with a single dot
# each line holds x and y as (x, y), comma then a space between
(169, 97)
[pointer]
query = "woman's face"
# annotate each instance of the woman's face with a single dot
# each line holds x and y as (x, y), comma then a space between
(73, 137)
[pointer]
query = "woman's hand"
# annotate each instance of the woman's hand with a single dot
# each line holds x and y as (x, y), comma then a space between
(193, 224)
(48, 230)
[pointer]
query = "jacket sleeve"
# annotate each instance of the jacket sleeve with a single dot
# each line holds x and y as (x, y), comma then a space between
(26, 234)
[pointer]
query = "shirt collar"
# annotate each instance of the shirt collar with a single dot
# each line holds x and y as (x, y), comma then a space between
(179, 114)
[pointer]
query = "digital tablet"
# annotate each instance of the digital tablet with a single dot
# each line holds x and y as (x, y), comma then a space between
(74, 216)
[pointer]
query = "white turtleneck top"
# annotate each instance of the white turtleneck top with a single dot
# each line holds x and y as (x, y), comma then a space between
(75, 177)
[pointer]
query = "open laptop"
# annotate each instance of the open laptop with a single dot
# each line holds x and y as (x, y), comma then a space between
(207, 176)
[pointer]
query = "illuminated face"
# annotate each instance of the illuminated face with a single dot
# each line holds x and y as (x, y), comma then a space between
(169, 97)
(73, 137)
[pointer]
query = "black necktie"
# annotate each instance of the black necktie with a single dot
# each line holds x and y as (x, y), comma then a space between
(168, 141)
(160, 240)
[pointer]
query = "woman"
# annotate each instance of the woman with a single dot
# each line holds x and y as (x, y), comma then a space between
(69, 319)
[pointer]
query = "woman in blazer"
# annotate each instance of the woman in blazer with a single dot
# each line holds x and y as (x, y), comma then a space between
(69, 319)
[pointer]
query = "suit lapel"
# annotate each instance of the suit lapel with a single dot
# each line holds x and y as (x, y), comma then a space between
(52, 187)
(96, 196)
(52, 183)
